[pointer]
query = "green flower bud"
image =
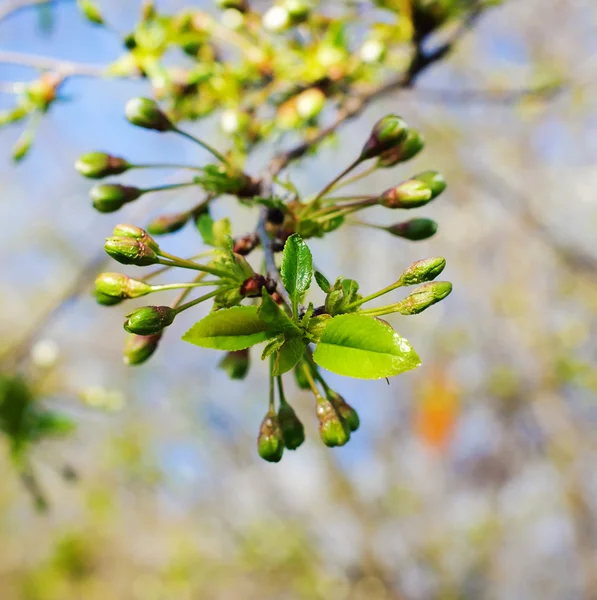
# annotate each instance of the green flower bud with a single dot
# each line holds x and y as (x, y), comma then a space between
(270, 443)
(298, 10)
(310, 103)
(145, 113)
(240, 5)
(386, 133)
(109, 197)
(415, 229)
(106, 300)
(91, 11)
(168, 223)
(409, 194)
(96, 165)
(291, 426)
(236, 364)
(136, 233)
(423, 297)
(433, 179)
(347, 412)
(149, 320)
(299, 375)
(128, 251)
(412, 144)
(120, 286)
(332, 428)
(423, 270)
(139, 348)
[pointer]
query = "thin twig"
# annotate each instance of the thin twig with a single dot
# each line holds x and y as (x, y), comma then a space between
(66, 68)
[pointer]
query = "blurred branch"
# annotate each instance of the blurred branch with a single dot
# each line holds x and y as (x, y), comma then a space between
(514, 200)
(500, 97)
(15, 353)
(65, 68)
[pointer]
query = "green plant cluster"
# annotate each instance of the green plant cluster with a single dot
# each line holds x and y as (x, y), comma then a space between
(340, 333)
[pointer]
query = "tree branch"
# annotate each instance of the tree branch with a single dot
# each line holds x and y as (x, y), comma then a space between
(65, 68)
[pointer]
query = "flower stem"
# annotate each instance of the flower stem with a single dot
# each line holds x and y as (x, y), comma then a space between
(196, 301)
(385, 290)
(332, 183)
(204, 145)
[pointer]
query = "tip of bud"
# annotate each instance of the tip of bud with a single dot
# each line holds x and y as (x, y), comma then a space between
(95, 165)
(387, 132)
(408, 148)
(333, 429)
(416, 229)
(149, 320)
(236, 364)
(423, 270)
(270, 443)
(129, 251)
(144, 112)
(139, 348)
(293, 430)
(109, 197)
(168, 223)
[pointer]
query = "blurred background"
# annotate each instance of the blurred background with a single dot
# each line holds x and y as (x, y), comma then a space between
(471, 477)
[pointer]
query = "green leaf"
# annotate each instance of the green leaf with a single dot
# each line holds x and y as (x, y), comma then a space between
(275, 316)
(273, 346)
(363, 347)
(288, 356)
(234, 328)
(270, 202)
(214, 233)
(322, 282)
(296, 269)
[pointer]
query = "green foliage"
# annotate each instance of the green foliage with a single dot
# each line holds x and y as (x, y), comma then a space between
(363, 347)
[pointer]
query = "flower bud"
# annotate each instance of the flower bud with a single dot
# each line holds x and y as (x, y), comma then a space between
(245, 244)
(252, 286)
(332, 428)
(139, 348)
(109, 197)
(310, 103)
(408, 194)
(414, 230)
(347, 412)
(423, 270)
(240, 5)
(276, 19)
(412, 144)
(106, 300)
(128, 251)
(299, 375)
(91, 11)
(145, 113)
(168, 223)
(434, 180)
(270, 443)
(96, 165)
(149, 320)
(236, 364)
(298, 10)
(291, 426)
(120, 286)
(387, 132)
(424, 297)
(136, 233)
